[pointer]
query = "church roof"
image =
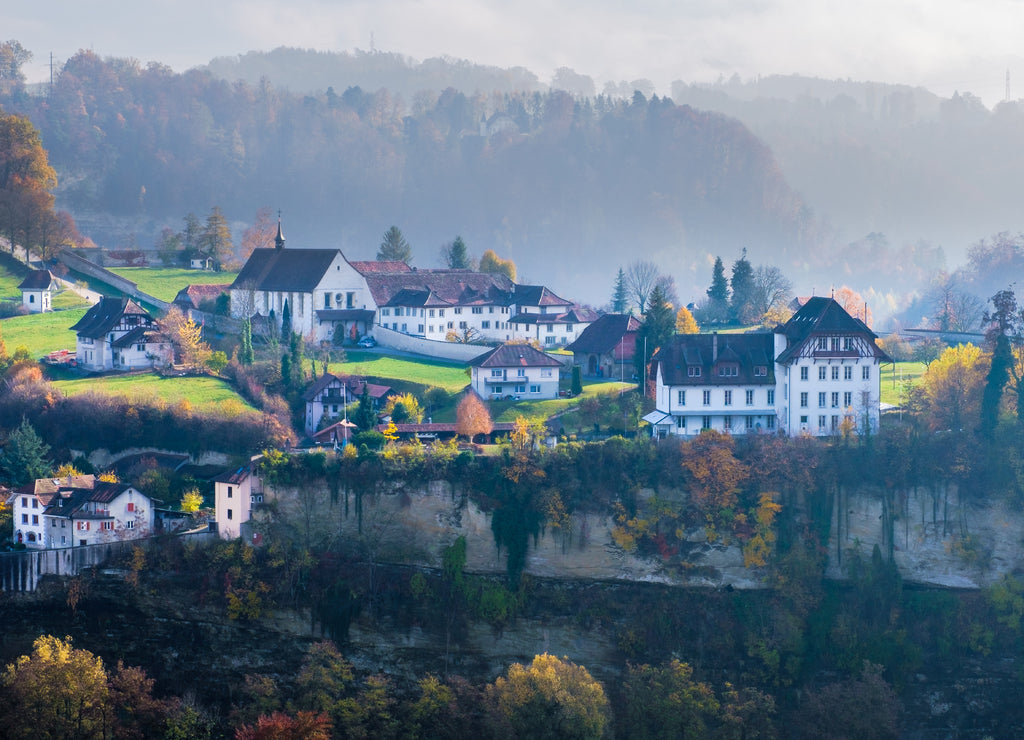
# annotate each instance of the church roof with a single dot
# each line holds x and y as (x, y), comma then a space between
(285, 270)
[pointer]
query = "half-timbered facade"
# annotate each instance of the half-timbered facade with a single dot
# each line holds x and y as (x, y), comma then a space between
(119, 334)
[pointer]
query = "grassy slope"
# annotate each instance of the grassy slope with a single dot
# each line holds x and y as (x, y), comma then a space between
(201, 392)
(892, 387)
(41, 332)
(452, 377)
(165, 282)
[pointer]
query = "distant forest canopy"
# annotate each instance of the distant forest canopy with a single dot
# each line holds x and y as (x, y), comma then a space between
(569, 188)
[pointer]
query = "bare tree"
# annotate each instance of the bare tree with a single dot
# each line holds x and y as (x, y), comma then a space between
(953, 307)
(641, 277)
(769, 288)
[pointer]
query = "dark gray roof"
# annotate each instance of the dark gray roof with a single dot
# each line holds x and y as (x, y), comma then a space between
(538, 295)
(106, 314)
(747, 352)
(820, 315)
(285, 270)
(441, 288)
(515, 355)
(37, 280)
(608, 333)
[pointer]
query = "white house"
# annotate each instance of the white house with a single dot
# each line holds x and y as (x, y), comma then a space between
(335, 398)
(237, 493)
(119, 334)
(91, 515)
(28, 504)
(334, 298)
(36, 291)
(517, 371)
(817, 374)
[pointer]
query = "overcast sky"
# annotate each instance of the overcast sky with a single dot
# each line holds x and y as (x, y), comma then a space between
(944, 45)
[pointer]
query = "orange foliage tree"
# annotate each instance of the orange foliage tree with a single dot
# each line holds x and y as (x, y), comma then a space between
(715, 477)
(472, 417)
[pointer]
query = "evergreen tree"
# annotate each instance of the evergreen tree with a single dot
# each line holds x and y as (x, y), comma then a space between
(24, 457)
(456, 255)
(246, 356)
(286, 369)
(742, 285)
(717, 309)
(365, 417)
(998, 375)
(286, 321)
(295, 349)
(215, 239)
(657, 329)
(577, 381)
(394, 246)
(620, 301)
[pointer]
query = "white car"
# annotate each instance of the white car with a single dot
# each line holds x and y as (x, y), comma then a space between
(367, 342)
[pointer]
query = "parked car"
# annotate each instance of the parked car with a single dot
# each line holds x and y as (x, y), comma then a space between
(367, 342)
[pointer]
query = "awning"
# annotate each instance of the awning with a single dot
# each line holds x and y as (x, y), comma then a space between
(657, 418)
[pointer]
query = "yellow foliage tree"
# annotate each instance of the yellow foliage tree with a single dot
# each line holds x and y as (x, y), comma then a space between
(490, 262)
(716, 476)
(410, 404)
(685, 323)
(759, 547)
(391, 432)
(950, 390)
(192, 501)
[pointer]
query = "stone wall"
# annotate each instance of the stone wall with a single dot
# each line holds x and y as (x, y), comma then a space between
(454, 351)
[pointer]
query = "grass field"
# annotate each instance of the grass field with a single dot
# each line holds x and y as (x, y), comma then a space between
(510, 410)
(202, 392)
(41, 332)
(452, 377)
(895, 379)
(165, 282)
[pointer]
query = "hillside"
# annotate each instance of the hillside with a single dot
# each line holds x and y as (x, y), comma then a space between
(568, 190)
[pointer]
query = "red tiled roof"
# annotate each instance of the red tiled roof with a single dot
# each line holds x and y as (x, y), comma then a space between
(365, 267)
(192, 295)
(515, 355)
(613, 331)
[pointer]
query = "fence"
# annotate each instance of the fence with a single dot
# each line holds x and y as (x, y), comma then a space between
(21, 571)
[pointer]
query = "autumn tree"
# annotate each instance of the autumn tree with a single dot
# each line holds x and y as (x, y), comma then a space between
(403, 407)
(492, 264)
(393, 246)
(57, 691)
(215, 238)
(952, 306)
(281, 726)
(260, 235)
(13, 56)
(715, 476)
(550, 698)
(472, 417)
(456, 256)
(685, 323)
(949, 393)
(186, 336)
(770, 291)
(853, 303)
(666, 701)
(862, 707)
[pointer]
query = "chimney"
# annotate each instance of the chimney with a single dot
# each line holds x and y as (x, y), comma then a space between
(714, 346)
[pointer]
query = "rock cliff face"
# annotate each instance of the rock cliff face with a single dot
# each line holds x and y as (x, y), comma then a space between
(936, 537)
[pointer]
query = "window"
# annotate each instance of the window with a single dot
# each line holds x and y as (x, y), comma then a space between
(821, 422)
(847, 344)
(545, 372)
(35, 503)
(835, 373)
(31, 298)
(106, 526)
(490, 309)
(440, 313)
(750, 398)
(865, 373)
(549, 327)
(130, 524)
(53, 522)
(804, 372)
(848, 372)
(63, 540)
(821, 400)
(693, 372)
(230, 515)
(822, 342)
(728, 371)
(35, 519)
(520, 389)
(485, 324)
(24, 518)
(835, 344)
(728, 398)
(462, 325)
(457, 310)
(496, 373)
(419, 328)
(534, 389)
(398, 311)
(771, 422)
(771, 396)
(63, 524)
(497, 389)
(727, 424)
(803, 421)
(681, 398)
(256, 498)
(350, 300)
(229, 491)
(706, 424)
(385, 312)
(549, 340)
(749, 423)
(835, 400)
(835, 423)
(848, 399)
(130, 507)
(707, 398)
(521, 372)
(430, 313)
(680, 422)
(803, 400)
(478, 309)
(327, 300)
(83, 526)
(405, 327)
(821, 373)
(761, 371)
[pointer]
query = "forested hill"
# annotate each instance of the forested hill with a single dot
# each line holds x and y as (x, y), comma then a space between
(569, 190)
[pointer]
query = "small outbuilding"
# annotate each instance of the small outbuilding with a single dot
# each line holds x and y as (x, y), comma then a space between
(36, 291)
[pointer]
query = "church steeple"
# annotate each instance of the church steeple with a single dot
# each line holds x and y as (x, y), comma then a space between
(279, 239)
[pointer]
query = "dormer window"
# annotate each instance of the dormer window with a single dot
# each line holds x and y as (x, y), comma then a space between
(728, 371)
(761, 371)
(693, 371)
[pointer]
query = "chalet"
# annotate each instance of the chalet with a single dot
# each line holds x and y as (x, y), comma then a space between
(333, 397)
(516, 371)
(119, 334)
(606, 347)
(36, 290)
(817, 374)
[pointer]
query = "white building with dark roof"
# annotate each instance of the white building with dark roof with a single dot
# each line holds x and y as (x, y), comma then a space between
(817, 374)
(119, 334)
(36, 290)
(515, 371)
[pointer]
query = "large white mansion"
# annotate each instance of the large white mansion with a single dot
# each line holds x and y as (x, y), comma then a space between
(817, 374)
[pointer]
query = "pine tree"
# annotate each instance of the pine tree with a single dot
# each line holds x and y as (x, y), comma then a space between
(394, 246)
(286, 322)
(24, 457)
(657, 329)
(365, 417)
(620, 301)
(246, 356)
(215, 238)
(742, 285)
(456, 256)
(998, 375)
(718, 294)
